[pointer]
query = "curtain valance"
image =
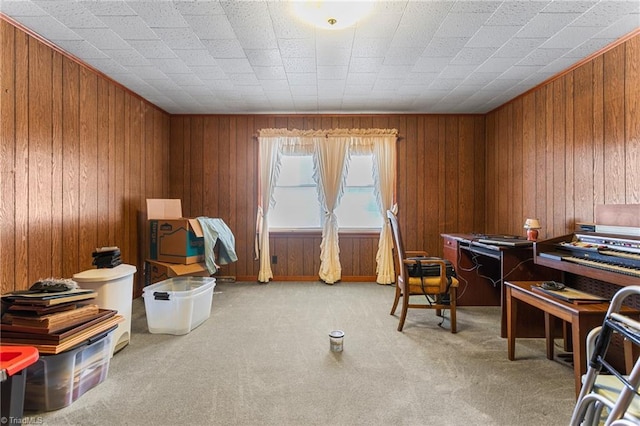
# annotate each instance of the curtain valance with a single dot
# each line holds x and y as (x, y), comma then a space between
(356, 133)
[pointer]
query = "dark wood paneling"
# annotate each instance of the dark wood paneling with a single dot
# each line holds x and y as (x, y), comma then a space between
(579, 146)
(439, 168)
(79, 157)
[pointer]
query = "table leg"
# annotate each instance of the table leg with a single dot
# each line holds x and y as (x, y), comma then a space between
(512, 312)
(549, 328)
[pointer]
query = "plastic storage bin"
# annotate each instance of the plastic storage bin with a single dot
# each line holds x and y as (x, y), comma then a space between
(14, 361)
(115, 291)
(55, 381)
(178, 305)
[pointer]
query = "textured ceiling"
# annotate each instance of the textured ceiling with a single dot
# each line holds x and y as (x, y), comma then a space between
(256, 57)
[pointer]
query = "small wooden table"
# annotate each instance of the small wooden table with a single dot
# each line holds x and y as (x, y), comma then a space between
(582, 317)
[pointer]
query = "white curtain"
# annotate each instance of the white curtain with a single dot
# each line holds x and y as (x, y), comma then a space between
(384, 175)
(269, 170)
(331, 150)
(382, 144)
(330, 172)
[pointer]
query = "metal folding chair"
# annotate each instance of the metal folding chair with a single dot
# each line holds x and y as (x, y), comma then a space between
(610, 398)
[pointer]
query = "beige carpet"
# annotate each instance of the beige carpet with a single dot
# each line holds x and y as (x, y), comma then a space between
(263, 358)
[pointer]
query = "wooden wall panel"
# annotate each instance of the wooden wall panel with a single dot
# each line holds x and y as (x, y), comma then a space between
(79, 157)
(580, 146)
(439, 171)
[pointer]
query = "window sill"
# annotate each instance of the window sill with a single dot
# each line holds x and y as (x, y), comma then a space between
(318, 231)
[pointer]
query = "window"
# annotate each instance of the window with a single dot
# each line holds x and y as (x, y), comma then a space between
(296, 198)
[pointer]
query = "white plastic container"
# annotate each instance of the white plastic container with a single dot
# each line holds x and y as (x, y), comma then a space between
(115, 291)
(56, 381)
(178, 305)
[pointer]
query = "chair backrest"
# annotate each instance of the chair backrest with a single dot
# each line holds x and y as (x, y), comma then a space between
(397, 242)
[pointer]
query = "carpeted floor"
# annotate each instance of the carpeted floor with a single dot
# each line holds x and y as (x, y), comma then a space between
(263, 358)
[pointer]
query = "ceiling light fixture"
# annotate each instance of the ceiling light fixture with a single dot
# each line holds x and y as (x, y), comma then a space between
(332, 14)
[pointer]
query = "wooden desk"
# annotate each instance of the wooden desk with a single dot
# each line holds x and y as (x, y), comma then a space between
(481, 270)
(582, 317)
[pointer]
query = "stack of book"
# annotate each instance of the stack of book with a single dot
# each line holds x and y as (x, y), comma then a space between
(107, 257)
(54, 322)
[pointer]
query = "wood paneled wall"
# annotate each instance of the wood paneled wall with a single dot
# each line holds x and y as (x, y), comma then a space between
(79, 156)
(440, 184)
(557, 152)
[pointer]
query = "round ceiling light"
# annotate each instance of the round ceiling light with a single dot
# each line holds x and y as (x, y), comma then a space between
(331, 14)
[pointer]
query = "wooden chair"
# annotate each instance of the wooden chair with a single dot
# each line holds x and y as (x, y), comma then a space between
(432, 288)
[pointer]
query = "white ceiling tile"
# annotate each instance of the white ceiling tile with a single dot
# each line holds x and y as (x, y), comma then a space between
(546, 25)
(542, 57)
(158, 14)
(570, 37)
(365, 64)
(297, 48)
(19, 8)
(497, 64)
(208, 72)
(106, 8)
(495, 36)
(444, 47)
(361, 78)
(127, 57)
(327, 56)
(196, 57)
(264, 57)
(370, 47)
(81, 49)
(70, 15)
(103, 38)
(235, 65)
(302, 79)
(179, 38)
(224, 49)
(406, 56)
(171, 65)
(152, 48)
(211, 27)
(147, 71)
(572, 6)
(518, 72)
(244, 79)
(403, 56)
(461, 24)
(299, 65)
(518, 47)
(457, 71)
(394, 71)
(516, 12)
(50, 28)
(332, 72)
(129, 27)
(431, 64)
(199, 7)
(270, 73)
(473, 56)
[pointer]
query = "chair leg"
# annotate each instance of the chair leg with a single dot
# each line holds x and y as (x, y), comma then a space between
(452, 305)
(403, 313)
(395, 301)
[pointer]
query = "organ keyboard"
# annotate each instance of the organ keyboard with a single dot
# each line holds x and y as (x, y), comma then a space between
(605, 257)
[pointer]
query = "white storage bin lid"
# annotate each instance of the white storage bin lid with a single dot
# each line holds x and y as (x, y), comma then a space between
(104, 274)
(180, 286)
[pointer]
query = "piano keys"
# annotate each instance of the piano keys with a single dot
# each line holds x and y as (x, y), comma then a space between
(605, 257)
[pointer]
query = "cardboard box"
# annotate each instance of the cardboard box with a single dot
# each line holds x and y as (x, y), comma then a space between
(159, 271)
(173, 238)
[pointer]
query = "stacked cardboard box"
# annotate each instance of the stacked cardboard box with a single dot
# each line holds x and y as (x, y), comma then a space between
(176, 243)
